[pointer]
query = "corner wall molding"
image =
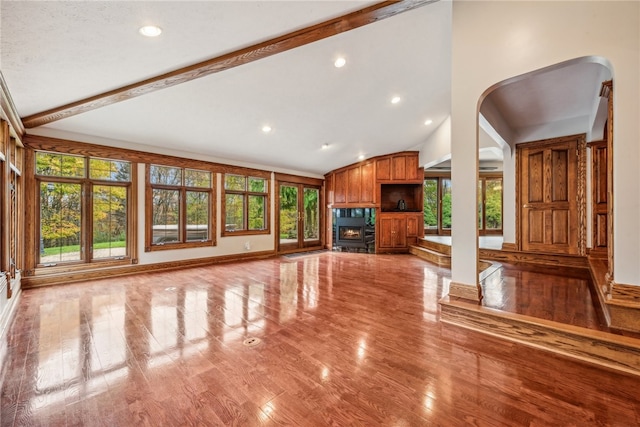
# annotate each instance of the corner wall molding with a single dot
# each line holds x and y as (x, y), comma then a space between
(8, 110)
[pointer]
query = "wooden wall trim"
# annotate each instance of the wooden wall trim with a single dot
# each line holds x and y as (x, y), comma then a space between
(87, 149)
(468, 292)
(332, 27)
(624, 307)
(603, 349)
(101, 273)
(371, 159)
(297, 179)
(582, 195)
(9, 111)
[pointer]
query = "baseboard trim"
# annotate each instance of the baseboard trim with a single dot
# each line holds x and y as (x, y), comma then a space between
(509, 246)
(8, 315)
(624, 307)
(461, 290)
(79, 276)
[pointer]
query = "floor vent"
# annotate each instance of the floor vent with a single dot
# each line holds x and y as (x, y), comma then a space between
(252, 342)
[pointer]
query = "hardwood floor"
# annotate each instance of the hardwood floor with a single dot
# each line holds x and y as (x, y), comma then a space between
(346, 339)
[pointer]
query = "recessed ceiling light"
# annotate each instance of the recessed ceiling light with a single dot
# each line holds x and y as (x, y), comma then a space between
(266, 128)
(428, 122)
(395, 99)
(361, 157)
(150, 31)
(325, 146)
(340, 62)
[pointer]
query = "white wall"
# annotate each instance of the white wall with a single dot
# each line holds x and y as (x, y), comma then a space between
(437, 148)
(224, 245)
(494, 41)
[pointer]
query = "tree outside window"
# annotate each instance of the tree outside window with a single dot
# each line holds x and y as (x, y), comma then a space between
(245, 204)
(180, 207)
(78, 192)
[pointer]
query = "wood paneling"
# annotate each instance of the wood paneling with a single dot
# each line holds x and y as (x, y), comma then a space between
(354, 185)
(367, 183)
(340, 182)
(383, 169)
(399, 167)
(599, 198)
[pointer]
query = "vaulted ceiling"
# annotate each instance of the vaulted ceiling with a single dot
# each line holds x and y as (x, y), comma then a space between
(222, 70)
(56, 53)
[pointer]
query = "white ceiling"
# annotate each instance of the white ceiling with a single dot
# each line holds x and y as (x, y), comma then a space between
(57, 52)
(53, 53)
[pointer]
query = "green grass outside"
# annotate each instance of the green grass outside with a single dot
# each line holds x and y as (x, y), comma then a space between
(76, 248)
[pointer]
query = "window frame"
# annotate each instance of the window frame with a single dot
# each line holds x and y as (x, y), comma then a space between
(150, 246)
(246, 194)
(440, 178)
(87, 209)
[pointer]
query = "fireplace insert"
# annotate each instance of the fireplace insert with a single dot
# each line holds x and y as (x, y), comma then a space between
(353, 233)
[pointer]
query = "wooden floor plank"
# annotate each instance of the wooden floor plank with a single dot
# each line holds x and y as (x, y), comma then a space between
(346, 339)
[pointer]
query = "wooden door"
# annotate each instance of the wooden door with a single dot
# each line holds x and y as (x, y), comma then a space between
(551, 195)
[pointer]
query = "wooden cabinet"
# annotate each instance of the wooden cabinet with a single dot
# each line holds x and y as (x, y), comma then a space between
(340, 187)
(353, 186)
(392, 232)
(397, 231)
(368, 183)
(399, 167)
(415, 227)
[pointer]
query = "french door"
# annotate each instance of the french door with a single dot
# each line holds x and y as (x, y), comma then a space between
(298, 216)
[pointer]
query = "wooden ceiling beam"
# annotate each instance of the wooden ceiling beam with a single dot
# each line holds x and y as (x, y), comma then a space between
(350, 21)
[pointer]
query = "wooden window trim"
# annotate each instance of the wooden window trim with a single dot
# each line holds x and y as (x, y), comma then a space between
(149, 187)
(32, 265)
(246, 194)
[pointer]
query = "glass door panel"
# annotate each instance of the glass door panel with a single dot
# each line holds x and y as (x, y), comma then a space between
(299, 217)
(311, 214)
(289, 215)
(446, 204)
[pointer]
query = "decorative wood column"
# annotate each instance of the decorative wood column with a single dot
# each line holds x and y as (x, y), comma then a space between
(607, 92)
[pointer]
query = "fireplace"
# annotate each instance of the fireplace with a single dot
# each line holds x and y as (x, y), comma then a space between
(353, 232)
(350, 231)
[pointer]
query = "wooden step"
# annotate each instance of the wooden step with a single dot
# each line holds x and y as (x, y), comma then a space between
(443, 248)
(436, 257)
(618, 352)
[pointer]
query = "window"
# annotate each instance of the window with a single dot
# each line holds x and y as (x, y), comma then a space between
(84, 209)
(437, 204)
(246, 202)
(490, 205)
(179, 207)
